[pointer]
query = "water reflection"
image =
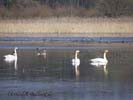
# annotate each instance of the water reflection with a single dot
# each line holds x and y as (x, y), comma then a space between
(101, 65)
(14, 63)
(77, 72)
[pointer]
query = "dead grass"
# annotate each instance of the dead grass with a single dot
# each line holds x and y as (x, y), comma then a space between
(68, 26)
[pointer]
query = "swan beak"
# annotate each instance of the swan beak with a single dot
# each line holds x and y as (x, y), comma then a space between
(106, 51)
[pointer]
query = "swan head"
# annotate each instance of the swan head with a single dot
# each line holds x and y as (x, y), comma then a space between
(77, 51)
(106, 51)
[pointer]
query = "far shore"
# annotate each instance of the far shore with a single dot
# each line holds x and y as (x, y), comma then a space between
(4, 44)
(67, 27)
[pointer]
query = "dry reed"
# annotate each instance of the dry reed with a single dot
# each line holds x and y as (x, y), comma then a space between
(68, 26)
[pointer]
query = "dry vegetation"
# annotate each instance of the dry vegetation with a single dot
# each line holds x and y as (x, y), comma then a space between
(68, 26)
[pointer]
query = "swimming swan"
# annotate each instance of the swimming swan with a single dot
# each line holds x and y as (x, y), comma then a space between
(76, 60)
(10, 57)
(41, 53)
(100, 61)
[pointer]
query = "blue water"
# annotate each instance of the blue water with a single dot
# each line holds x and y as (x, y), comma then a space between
(72, 39)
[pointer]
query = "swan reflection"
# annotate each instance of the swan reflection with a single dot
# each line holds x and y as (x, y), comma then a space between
(77, 71)
(99, 65)
(14, 63)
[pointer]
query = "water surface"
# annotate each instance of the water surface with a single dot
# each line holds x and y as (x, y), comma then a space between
(53, 74)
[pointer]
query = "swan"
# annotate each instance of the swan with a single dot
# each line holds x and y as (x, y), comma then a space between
(100, 61)
(76, 60)
(11, 57)
(39, 53)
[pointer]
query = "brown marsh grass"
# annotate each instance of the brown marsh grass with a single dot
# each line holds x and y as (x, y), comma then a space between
(67, 26)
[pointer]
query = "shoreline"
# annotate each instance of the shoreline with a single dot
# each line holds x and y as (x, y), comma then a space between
(70, 39)
(65, 34)
(61, 45)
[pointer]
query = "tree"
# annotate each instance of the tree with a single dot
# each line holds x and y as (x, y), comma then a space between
(7, 3)
(114, 8)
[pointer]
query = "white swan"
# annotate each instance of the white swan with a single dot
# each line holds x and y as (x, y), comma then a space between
(100, 61)
(10, 57)
(76, 60)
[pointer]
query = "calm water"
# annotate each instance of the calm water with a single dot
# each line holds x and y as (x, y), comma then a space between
(54, 76)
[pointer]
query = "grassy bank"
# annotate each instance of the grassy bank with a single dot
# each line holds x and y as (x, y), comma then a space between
(91, 27)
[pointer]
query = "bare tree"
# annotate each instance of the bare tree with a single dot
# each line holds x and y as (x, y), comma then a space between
(114, 8)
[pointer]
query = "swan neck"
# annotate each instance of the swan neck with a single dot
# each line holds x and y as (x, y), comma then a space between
(15, 52)
(104, 56)
(76, 55)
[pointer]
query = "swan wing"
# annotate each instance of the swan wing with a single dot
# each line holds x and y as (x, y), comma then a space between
(10, 58)
(98, 60)
(98, 64)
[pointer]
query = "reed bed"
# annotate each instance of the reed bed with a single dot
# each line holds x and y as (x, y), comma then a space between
(67, 26)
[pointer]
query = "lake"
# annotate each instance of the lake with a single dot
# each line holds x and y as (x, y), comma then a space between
(47, 73)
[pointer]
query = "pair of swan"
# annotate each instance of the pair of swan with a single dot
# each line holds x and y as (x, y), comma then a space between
(41, 53)
(14, 57)
(96, 61)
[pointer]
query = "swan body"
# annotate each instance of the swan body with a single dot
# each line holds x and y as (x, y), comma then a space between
(100, 61)
(11, 57)
(76, 60)
(98, 64)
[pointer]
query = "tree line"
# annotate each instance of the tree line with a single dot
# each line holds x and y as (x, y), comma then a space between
(109, 8)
